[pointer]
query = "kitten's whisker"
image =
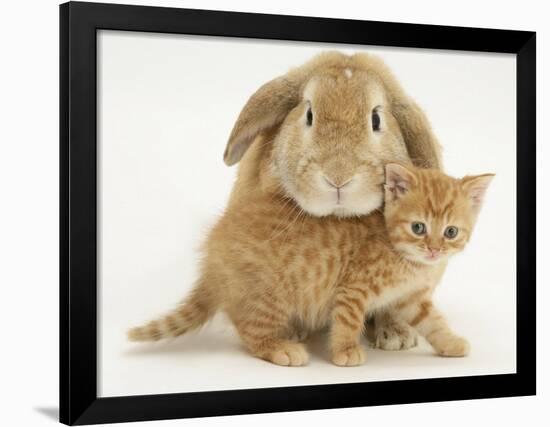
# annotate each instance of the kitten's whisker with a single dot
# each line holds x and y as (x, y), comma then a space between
(290, 226)
(286, 223)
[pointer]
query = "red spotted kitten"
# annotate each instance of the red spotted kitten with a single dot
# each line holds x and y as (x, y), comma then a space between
(428, 216)
(391, 259)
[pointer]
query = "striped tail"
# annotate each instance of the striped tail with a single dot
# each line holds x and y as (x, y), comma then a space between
(191, 314)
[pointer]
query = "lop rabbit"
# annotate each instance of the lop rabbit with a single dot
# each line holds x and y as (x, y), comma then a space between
(312, 145)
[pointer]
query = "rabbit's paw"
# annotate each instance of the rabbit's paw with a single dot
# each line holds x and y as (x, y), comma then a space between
(395, 336)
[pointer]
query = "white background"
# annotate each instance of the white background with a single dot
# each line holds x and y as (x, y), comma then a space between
(29, 172)
(166, 109)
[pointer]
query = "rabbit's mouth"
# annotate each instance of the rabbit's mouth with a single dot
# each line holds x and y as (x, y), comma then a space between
(342, 197)
(341, 203)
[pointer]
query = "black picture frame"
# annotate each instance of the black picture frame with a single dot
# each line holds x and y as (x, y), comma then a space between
(79, 22)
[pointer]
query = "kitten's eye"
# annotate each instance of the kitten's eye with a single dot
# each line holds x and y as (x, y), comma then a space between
(309, 117)
(375, 120)
(418, 228)
(451, 232)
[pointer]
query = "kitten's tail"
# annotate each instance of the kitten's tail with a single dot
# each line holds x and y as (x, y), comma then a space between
(192, 313)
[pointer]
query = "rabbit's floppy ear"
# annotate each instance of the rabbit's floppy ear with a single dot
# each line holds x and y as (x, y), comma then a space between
(266, 108)
(423, 148)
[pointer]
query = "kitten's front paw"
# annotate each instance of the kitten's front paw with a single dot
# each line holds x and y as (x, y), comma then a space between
(351, 356)
(290, 354)
(395, 336)
(453, 347)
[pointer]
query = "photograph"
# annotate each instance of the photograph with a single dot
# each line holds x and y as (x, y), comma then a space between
(275, 213)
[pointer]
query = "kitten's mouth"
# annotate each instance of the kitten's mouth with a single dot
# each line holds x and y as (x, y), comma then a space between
(423, 257)
(432, 259)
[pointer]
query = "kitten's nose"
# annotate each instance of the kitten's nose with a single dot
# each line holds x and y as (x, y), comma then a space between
(434, 251)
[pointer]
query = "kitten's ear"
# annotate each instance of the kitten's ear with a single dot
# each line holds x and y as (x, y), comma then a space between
(475, 187)
(399, 180)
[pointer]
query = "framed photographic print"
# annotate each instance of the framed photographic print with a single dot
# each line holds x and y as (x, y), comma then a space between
(268, 213)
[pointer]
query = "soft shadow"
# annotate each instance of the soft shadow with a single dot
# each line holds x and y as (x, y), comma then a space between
(49, 412)
(210, 342)
(199, 343)
(317, 345)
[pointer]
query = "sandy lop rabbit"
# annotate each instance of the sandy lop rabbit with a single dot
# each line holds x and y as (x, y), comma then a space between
(313, 145)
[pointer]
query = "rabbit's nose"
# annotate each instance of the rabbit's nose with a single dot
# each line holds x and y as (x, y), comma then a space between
(337, 183)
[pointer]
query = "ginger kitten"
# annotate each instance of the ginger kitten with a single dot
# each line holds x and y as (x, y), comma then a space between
(337, 274)
(428, 217)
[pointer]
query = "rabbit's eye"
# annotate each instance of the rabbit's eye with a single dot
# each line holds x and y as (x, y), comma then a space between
(375, 120)
(309, 117)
